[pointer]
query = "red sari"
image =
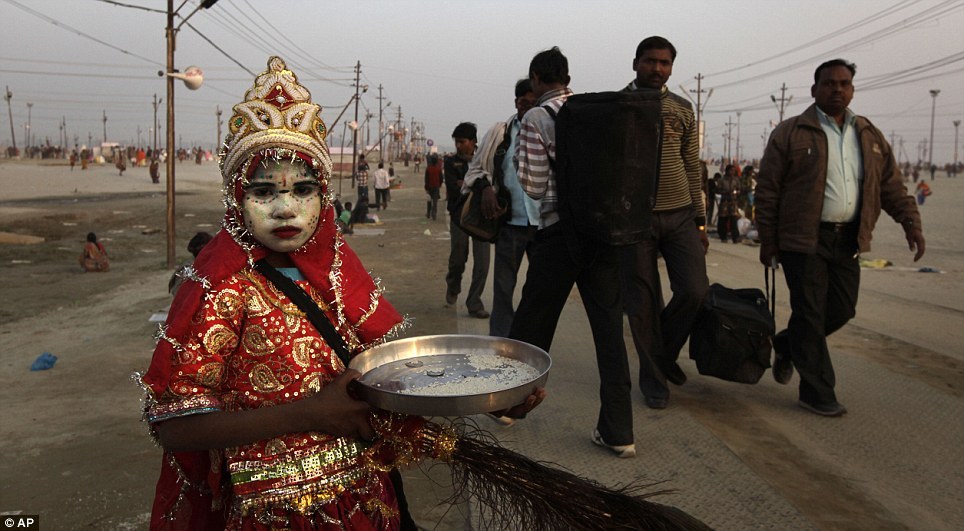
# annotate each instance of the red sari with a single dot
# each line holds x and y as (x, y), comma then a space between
(234, 342)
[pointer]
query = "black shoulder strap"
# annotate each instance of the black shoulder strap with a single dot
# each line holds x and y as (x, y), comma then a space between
(552, 114)
(307, 305)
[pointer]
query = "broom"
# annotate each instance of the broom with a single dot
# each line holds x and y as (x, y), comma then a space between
(515, 492)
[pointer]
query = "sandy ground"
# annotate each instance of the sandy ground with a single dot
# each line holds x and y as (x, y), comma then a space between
(78, 455)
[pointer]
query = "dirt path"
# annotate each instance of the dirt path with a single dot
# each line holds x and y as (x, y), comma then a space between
(78, 455)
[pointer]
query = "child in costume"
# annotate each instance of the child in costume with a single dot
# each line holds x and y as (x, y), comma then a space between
(249, 402)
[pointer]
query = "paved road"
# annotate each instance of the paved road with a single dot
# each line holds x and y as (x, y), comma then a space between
(746, 457)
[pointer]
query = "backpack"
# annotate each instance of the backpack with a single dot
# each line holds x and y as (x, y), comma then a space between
(607, 163)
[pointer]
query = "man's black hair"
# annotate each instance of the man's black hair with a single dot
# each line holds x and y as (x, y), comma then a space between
(523, 87)
(465, 130)
(832, 63)
(198, 241)
(551, 66)
(655, 43)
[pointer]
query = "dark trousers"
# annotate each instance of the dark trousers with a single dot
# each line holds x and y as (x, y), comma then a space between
(381, 198)
(512, 244)
(362, 193)
(823, 297)
(728, 226)
(659, 333)
(558, 259)
(431, 206)
(458, 256)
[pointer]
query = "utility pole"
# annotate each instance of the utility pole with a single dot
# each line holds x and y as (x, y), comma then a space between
(29, 126)
(399, 133)
(700, 105)
(9, 96)
(368, 129)
(138, 136)
(63, 132)
(217, 145)
(729, 138)
(738, 114)
(105, 126)
(381, 124)
(934, 93)
(354, 132)
(784, 101)
(957, 124)
(156, 103)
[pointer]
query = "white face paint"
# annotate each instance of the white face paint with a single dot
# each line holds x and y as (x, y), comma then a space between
(282, 205)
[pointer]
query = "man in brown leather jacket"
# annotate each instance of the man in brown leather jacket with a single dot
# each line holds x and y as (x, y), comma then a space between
(824, 178)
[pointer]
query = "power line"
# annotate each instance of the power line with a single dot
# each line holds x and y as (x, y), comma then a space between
(926, 15)
(892, 78)
(234, 23)
(218, 48)
(305, 54)
(822, 38)
(72, 29)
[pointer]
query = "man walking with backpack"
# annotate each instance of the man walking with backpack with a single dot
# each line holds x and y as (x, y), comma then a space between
(561, 258)
(498, 175)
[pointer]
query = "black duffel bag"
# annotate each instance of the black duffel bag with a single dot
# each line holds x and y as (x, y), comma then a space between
(733, 335)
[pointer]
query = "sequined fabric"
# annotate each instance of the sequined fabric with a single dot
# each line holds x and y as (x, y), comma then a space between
(251, 347)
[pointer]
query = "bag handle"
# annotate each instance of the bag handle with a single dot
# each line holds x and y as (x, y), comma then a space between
(307, 305)
(771, 289)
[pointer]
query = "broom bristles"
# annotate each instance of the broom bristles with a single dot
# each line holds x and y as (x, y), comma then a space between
(515, 492)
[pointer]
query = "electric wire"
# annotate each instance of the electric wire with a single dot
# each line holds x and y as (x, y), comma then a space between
(74, 30)
(926, 15)
(836, 33)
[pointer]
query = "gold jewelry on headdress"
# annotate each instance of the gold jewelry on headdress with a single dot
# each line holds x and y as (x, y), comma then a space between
(277, 113)
(277, 121)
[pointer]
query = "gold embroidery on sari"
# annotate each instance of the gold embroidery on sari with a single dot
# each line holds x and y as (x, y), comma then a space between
(263, 379)
(220, 340)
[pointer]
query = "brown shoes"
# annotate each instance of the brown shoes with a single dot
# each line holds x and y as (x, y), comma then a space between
(480, 314)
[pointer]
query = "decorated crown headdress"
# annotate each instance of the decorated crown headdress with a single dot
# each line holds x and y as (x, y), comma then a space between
(277, 113)
(276, 121)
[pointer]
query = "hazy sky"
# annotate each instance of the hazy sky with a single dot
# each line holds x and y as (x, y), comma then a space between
(443, 62)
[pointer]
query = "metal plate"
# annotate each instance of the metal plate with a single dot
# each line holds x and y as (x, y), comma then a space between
(448, 375)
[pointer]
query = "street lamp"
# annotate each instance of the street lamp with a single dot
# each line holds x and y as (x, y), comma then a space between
(934, 93)
(193, 82)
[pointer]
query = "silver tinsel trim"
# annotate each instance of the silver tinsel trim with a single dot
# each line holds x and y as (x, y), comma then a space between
(189, 273)
(148, 400)
(161, 334)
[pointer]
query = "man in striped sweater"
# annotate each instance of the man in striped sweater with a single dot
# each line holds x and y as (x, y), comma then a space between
(678, 233)
(560, 258)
